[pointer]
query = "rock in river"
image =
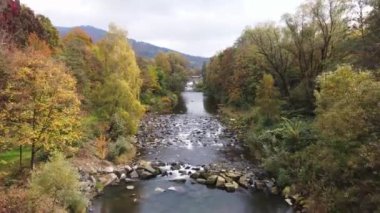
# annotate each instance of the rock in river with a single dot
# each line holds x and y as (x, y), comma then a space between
(201, 181)
(144, 174)
(211, 180)
(220, 182)
(231, 187)
(134, 175)
(130, 187)
(244, 181)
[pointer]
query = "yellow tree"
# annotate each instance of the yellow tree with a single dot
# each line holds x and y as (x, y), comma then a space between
(117, 99)
(41, 107)
(267, 99)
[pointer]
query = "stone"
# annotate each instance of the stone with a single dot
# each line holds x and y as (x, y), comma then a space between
(123, 176)
(92, 170)
(163, 170)
(179, 180)
(211, 180)
(130, 187)
(129, 180)
(144, 174)
(201, 181)
(244, 181)
(231, 187)
(108, 169)
(234, 175)
(274, 190)
(134, 174)
(147, 166)
(108, 179)
(259, 185)
(195, 175)
(172, 188)
(175, 167)
(158, 189)
(220, 182)
(92, 179)
(269, 184)
(289, 201)
(182, 172)
(128, 169)
(204, 175)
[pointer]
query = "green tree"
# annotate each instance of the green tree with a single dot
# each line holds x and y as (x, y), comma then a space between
(348, 104)
(79, 55)
(317, 31)
(270, 43)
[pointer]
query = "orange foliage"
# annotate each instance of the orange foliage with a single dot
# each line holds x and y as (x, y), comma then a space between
(36, 44)
(101, 146)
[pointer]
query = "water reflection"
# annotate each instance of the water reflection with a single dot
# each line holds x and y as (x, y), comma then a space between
(210, 104)
(180, 108)
(148, 197)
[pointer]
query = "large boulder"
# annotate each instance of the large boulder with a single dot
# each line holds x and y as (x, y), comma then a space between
(144, 174)
(146, 165)
(107, 169)
(211, 180)
(201, 181)
(244, 181)
(233, 175)
(259, 185)
(220, 182)
(204, 175)
(195, 175)
(106, 180)
(134, 174)
(231, 187)
(128, 169)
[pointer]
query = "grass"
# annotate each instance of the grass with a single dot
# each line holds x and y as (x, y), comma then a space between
(9, 161)
(9, 157)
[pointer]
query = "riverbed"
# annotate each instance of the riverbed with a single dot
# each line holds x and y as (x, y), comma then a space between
(192, 137)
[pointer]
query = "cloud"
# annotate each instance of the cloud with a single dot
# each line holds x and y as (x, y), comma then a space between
(199, 27)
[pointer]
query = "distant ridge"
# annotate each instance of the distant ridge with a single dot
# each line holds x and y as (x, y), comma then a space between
(142, 49)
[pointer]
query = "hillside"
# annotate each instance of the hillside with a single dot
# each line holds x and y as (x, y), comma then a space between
(142, 49)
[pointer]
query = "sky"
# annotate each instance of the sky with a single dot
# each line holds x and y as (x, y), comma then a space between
(197, 27)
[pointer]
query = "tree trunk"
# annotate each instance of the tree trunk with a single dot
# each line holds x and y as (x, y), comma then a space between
(33, 152)
(20, 157)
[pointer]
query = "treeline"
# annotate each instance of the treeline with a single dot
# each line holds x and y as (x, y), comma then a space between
(164, 78)
(69, 94)
(307, 93)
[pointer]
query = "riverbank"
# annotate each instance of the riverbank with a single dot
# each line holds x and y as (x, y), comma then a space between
(242, 124)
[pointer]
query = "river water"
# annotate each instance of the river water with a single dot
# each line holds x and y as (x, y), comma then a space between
(195, 137)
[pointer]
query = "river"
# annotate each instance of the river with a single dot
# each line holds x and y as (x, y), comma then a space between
(195, 137)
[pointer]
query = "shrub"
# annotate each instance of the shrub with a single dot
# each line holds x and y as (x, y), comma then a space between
(348, 105)
(121, 151)
(59, 182)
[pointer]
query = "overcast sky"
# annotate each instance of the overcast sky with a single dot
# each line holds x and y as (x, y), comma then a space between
(198, 27)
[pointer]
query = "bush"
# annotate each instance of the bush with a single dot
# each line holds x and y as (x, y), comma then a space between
(348, 105)
(59, 182)
(121, 151)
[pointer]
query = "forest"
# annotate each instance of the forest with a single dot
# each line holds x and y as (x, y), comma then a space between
(62, 95)
(305, 94)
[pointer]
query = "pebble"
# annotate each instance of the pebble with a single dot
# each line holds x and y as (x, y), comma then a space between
(130, 187)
